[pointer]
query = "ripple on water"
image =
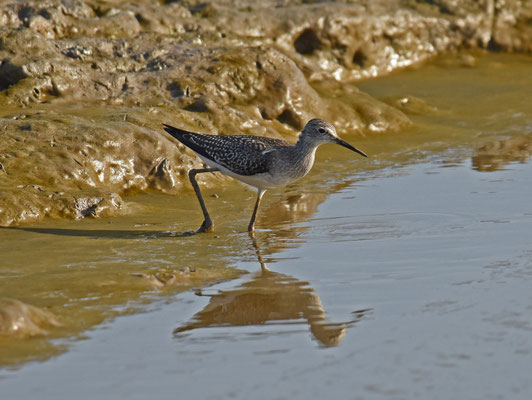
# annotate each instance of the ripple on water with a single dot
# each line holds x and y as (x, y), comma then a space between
(384, 226)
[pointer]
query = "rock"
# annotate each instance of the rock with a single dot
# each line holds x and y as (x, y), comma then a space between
(411, 105)
(21, 320)
(167, 278)
(512, 30)
(495, 155)
(31, 203)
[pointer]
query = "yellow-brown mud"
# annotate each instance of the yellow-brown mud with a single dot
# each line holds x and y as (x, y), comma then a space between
(88, 271)
(85, 86)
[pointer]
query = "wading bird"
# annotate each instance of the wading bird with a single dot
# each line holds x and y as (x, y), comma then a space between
(261, 162)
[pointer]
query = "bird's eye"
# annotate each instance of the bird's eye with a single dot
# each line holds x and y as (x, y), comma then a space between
(321, 130)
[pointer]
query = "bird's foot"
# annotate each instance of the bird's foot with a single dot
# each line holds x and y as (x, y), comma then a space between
(206, 227)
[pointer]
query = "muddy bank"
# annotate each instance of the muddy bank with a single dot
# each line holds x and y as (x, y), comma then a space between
(95, 269)
(85, 86)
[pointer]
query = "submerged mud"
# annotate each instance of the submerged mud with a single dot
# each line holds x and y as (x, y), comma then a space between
(85, 85)
(23, 320)
(496, 155)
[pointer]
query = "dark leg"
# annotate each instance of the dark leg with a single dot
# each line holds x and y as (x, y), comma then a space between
(207, 225)
(251, 226)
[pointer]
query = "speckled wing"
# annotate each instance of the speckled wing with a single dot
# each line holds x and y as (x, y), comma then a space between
(242, 154)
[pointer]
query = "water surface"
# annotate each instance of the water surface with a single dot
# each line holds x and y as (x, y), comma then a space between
(403, 276)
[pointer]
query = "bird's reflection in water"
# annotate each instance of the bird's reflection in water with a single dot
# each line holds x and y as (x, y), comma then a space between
(297, 204)
(294, 205)
(270, 297)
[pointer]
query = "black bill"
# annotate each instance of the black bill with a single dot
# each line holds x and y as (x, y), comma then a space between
(345, 144)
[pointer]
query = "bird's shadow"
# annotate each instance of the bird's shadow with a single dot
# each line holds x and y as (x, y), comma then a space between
(290, 208)
(106, 233)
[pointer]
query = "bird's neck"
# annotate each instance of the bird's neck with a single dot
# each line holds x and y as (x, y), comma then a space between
(306, 146)
(304, 151)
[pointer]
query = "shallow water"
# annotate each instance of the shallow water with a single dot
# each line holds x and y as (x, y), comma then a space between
(406, 275)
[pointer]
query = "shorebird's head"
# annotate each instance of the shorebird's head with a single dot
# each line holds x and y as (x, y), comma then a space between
(320, 131)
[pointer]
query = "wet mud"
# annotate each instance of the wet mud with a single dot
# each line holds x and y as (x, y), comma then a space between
(85, 85)
(95, 269)
(22, 320)
(496, 155)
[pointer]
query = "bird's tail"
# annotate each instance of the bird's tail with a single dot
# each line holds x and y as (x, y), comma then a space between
(176, 132)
